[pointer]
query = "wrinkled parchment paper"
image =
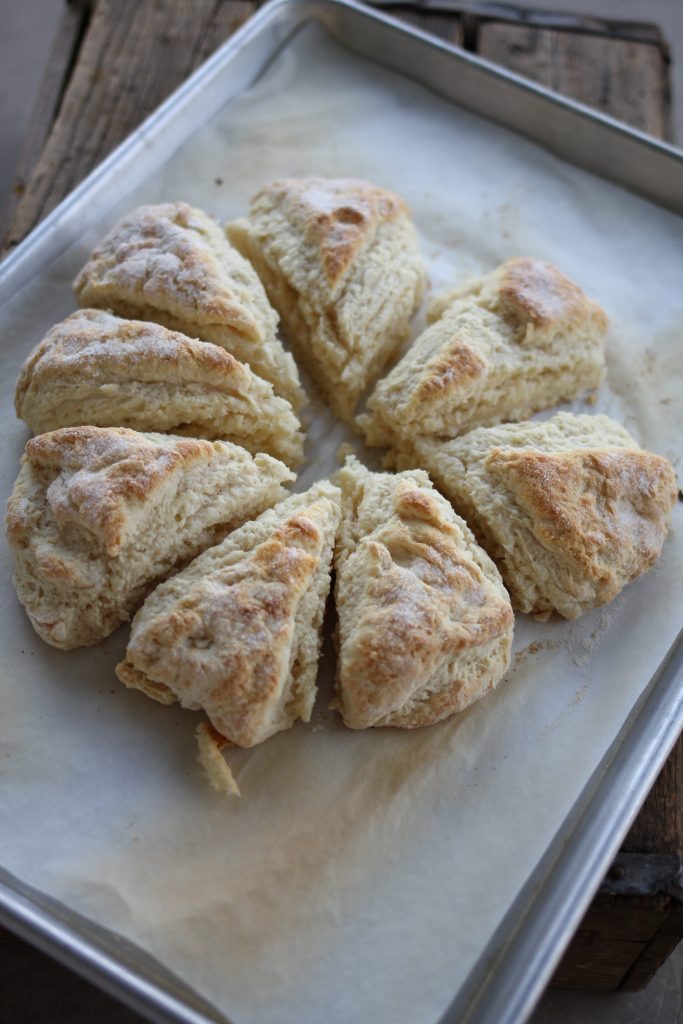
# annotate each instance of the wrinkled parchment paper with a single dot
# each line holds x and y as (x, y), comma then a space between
(361, 874)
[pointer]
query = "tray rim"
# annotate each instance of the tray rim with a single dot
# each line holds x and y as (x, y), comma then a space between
(581, 864)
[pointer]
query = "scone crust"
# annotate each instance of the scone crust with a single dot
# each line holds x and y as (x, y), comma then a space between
(425, 624)
(538, 293)
(340, 261)
(337, 218)
(172, 264)
(501, 347)
(237, 633)
(571, 508)
(173, 257)
(98, 514)
(108, 473)
(98, 369)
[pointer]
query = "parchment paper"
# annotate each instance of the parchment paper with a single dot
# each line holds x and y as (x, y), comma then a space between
(361, 874)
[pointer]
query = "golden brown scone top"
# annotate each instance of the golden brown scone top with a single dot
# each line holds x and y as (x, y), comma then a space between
(453, 369)
(539, 294)
(427, 600)
(97, 477)
(534, 296)
(530, 292)
(425, 622)
(336, 217)
(174, 258)
(236, 633)
(248, 612)
(603, 513)
(499, 348)
(94, 341)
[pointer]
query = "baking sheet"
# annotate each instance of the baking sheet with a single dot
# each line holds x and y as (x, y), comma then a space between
(361, 874)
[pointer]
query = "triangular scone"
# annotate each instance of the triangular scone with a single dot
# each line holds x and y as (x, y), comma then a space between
(571, 508)
(172, 264)
(237, 633)
(98, 515)
(521, 339)
(425, 624)
(341, 264)
(98, 369)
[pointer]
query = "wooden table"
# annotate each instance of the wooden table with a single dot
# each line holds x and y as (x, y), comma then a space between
(114, 61)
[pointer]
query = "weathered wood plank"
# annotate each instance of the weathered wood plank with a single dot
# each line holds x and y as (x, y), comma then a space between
(132, 56)
(659, 825)
(627, 80)
(600, 967)
(657, 951)
(64, 52)
(616, 934)
(446, 26)
(635, 919)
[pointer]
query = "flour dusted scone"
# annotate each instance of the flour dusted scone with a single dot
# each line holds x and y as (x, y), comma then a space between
(341, 264)
(571, 508)
(237, 633)
(520, 339)
(425, 624)
(98, 369)
(172, 264)
(98, 515)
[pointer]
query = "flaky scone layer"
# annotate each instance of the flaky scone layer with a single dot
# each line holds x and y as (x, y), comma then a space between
(571, 508)
(98, 369)
(340, 262)
(172, 264)
(425, 623)
(237, 633)
(98, 515)
(518, 340)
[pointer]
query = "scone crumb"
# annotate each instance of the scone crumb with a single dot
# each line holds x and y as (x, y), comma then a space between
(212, 761)
(344, 450)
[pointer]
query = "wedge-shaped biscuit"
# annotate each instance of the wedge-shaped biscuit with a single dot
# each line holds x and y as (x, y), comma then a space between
(571, 508)
(98, 515)
(98, 369)
(172, 264)
(341, 264)
(425, 624)
(521, 339)
(237, 633)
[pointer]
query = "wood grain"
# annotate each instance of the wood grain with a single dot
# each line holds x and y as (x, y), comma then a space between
(659, 825)
(132, 56)
(657, 951)
(446, 26)
(616, 941)
(55, 78)
(627, 80)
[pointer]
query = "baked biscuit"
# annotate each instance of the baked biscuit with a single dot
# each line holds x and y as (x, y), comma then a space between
(341, 264)
(98, 515)
(425, 624)
(95, 368)
(520, 339)
(237, 633)
(570, 508)
(172, 264)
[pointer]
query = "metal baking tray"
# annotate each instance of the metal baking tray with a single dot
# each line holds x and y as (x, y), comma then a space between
(518, 961)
